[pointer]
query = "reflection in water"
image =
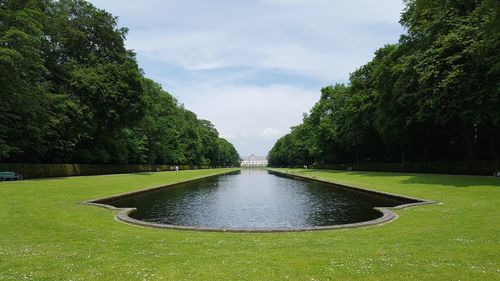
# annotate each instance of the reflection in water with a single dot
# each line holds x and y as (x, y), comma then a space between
(254, 198)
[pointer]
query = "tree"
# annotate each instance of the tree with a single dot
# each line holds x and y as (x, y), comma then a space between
(72, 92)
(22, 84)
(434, 96)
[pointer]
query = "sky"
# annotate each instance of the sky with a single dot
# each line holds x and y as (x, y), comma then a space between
(253, 67)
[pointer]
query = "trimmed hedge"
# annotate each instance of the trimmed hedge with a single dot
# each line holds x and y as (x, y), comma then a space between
(484, 168)
(66, 170)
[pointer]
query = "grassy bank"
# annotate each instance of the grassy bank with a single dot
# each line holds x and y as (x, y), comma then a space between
(46, 234)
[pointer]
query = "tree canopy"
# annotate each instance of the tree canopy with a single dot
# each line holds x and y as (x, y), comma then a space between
(433, 96)
(72, 93)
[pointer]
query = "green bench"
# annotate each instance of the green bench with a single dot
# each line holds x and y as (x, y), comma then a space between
(9, 176)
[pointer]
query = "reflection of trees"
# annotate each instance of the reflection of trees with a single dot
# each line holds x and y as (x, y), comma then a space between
(253, 171)
(252, 198)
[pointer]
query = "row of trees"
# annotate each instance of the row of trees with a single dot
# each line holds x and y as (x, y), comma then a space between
(434, 96)
(71, 92)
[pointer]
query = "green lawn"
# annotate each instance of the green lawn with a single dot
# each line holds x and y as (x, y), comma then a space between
(45, 234)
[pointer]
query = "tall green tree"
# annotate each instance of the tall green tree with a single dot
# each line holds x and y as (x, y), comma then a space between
(72, 92)
(22, 84)
(434, 96)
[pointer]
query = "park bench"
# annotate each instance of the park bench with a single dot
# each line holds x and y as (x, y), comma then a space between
(9, 176)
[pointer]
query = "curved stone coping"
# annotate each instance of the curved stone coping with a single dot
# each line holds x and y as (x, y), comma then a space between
(387, 215)
(416, 201)
(100, 202)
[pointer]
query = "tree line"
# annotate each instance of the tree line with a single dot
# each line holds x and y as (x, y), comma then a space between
(433, 96)
(70, 92)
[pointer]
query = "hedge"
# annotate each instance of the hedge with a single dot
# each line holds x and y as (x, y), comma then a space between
(65, 170)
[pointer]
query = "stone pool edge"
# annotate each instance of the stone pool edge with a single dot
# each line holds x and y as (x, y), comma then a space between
(384, 210)
(387, 215)
(101, 202)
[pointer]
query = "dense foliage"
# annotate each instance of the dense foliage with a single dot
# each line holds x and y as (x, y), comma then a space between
(434, 96)
(71, 92)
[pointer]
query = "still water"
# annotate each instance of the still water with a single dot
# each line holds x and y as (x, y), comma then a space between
(254, 198)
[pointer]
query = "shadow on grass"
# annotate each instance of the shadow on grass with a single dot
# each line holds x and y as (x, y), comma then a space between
(144, 174)
(453, 180)
(413, 178)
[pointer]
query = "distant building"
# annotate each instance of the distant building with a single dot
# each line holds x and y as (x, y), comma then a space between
(253, 161)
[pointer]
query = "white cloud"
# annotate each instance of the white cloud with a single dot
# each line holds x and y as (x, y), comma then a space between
(234, 55)
(289, 2)
(319, 38)
(252, 118)
(270, 133)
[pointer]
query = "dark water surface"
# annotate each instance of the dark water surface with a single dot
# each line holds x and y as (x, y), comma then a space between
(254, 198)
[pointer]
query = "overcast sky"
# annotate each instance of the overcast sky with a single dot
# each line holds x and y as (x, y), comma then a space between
(253, 67)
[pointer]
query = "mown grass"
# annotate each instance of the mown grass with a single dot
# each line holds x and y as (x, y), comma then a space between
(45, 234)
